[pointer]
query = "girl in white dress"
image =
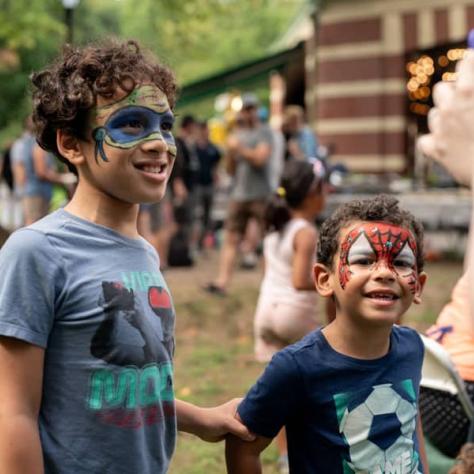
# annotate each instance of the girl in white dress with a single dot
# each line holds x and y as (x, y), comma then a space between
(287, 305)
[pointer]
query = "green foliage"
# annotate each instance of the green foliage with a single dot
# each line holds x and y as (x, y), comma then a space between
(194, 37)
(198, 38)
(26, 23)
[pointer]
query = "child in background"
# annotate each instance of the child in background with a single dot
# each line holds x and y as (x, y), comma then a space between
(287, 305)
(86, 318)
(347, 394)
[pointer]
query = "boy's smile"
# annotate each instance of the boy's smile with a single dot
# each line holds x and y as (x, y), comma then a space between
(377, 276)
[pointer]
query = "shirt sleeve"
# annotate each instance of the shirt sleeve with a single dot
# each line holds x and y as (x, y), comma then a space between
(29, 272)
(274, 398)
(308, 143)
(17, 152)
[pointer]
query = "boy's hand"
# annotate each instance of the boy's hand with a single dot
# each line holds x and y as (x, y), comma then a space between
(212, 424)
(221, 420)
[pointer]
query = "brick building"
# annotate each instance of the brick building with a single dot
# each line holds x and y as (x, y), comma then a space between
(359, 62)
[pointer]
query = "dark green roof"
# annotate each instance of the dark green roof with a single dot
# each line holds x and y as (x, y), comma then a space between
(239, 76)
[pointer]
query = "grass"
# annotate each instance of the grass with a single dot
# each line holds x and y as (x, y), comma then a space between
(214, 355)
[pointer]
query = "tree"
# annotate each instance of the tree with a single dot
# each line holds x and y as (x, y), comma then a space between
(194, 37)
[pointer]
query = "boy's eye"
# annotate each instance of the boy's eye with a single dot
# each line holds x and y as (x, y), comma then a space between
(402, 264)
(167, 126)
(132, 126)
(132, 123)
(365, 261)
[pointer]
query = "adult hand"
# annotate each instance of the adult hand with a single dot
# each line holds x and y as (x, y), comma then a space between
(294, 149)
(451, 123)
(233, 143)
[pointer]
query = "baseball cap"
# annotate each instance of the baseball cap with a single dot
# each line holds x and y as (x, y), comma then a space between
(249, 99)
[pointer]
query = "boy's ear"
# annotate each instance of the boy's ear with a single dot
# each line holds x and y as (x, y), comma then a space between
(421, 284)
(69, 147)
(322, 279)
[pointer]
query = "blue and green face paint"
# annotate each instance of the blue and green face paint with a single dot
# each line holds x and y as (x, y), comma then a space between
(143, 115)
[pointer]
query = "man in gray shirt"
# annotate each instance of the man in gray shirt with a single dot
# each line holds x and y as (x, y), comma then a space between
(249, 150)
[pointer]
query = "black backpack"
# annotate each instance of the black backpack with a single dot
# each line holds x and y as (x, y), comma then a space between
(179, 254)
(7, 173)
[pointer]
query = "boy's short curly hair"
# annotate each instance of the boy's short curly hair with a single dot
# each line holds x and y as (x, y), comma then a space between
(65, 91)
(381, 208)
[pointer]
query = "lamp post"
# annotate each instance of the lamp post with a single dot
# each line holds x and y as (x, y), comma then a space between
(69, 6)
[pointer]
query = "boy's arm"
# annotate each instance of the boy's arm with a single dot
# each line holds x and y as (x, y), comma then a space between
(211, 424)
(244, 457)
(421, 446)
(21, 373)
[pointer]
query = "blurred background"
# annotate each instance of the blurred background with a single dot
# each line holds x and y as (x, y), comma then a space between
(363, 71)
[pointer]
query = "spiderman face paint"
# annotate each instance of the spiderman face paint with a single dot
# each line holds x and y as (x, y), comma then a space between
(141, 116)
(368, 246)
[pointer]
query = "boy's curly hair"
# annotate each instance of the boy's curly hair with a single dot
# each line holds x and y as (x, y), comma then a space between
(66, 90)
(381, 208)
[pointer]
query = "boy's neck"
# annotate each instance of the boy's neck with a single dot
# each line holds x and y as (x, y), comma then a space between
(92, 205)
(361, 342)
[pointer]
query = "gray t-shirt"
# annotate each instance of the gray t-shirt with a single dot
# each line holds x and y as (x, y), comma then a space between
(252, 182)
(98, 304)
(22, 153)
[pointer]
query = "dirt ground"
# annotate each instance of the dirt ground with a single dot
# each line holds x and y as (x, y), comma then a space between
(214, 353)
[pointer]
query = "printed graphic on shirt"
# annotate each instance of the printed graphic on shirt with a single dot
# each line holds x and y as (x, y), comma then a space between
(137, 335)
(378, 425)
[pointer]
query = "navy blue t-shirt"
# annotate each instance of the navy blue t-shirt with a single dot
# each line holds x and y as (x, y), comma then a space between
(342, 415)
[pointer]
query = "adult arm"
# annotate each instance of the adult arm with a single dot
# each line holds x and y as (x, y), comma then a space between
(43, 171)
(21, 373)
(211, 424)
(17, 164)
(304, 250)
(244, 457)
(257, 156)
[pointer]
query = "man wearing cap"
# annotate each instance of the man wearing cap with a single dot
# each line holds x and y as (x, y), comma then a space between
(248, 150)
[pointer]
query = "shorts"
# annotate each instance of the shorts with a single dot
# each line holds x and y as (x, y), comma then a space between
(278, 325)
(240, 212)
(34, 208)
(161, 213)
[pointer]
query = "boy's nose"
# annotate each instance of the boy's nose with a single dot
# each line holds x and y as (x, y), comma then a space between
(383, 271)
(156, 144)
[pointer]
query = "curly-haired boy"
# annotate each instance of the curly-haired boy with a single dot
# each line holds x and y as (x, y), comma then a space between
(86, 318)
(347, 394)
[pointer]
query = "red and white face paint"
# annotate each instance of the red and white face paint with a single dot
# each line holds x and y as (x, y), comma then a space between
(369, 245)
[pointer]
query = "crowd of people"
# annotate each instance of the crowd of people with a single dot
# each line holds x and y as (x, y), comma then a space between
(86, 317)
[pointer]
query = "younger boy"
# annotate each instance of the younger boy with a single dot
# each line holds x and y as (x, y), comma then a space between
(347, 394)
(86, 318)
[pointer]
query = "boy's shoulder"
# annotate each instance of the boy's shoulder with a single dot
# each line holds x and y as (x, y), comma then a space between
(407, 337)
(310, 345)
(32, 241)
(405, 342)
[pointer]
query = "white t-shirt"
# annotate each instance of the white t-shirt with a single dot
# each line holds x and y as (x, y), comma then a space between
(278, 251)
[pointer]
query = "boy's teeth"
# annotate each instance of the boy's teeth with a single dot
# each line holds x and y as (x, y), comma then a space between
(382, 296)
(152, 169)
